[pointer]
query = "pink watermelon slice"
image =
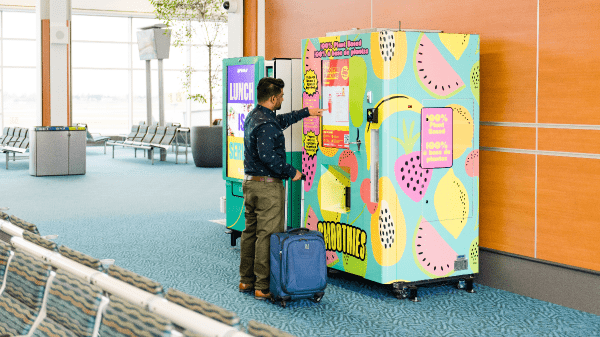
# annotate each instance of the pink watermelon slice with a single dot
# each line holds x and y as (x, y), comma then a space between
(432, 254)
(332, 258)
(472, 164)
(348, 159)
(433, 72)
(311, 221)
(309, 166)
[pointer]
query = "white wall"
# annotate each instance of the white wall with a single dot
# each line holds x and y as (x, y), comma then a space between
(136, 6)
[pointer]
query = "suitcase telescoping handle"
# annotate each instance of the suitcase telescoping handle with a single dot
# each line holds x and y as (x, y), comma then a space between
(287, 184)
(302, 199)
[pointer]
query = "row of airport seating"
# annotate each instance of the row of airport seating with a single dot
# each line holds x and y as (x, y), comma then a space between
(151, 137)
(50, 290)
(94, 137)
(14, 140)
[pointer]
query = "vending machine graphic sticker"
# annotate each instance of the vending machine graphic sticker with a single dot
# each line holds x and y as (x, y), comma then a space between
(336, 100)
(436, 138)
(240, 101)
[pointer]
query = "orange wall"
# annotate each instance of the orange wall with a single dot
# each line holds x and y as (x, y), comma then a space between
(563, 225)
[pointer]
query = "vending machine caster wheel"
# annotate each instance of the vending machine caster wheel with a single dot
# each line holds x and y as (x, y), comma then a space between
(401, 294)
(469, 286)
(412, 294)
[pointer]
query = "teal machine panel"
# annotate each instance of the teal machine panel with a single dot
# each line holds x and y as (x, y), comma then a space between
(393, 164)
(240, 78)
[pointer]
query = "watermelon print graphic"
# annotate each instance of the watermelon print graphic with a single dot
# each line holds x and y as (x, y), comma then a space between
(433, 72)
(309, 164)
(410, 176)
(432, 254)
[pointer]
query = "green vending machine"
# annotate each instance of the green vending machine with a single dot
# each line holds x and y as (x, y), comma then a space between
(240, 79)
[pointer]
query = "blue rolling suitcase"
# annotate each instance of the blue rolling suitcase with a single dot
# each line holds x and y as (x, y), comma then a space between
(298, 264)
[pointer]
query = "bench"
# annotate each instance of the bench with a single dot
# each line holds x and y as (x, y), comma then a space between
(17, 143)
(94, 137)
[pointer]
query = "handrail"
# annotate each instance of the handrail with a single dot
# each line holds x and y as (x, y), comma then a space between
(177, 314)
(11, 229)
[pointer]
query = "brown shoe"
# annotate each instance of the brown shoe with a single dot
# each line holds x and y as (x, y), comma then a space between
(262, 295)
(246, 288)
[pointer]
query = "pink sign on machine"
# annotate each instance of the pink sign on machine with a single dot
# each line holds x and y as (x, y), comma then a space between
(436, 138)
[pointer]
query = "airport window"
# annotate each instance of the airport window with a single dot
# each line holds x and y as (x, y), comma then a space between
(108, 78)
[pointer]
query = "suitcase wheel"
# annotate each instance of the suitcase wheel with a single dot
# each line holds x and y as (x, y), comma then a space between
(282, 303)
(317, 298)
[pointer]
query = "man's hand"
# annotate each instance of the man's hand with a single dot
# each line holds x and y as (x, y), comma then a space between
(316, 112)
(298, 176)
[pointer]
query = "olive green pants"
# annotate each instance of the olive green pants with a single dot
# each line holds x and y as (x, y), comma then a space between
(265, 203)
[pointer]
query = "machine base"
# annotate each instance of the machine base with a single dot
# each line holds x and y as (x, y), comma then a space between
(409, 290)
(234, 235)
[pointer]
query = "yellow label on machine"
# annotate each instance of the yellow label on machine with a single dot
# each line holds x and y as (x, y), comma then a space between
(235, 157)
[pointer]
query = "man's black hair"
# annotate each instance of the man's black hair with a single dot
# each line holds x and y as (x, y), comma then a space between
(268, 87)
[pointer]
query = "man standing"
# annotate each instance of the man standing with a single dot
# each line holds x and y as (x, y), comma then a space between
(264, 195)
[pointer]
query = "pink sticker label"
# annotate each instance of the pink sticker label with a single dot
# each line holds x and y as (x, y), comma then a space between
(436, 138)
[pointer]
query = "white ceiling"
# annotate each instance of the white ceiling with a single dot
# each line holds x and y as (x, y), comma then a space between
(139, 6)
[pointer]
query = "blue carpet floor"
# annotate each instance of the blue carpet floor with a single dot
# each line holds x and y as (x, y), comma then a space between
(155, 220)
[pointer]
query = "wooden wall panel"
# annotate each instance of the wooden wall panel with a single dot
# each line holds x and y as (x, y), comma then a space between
(288, 22)
(569, 62)
(507, 202)
(568, 216)
(567, 140)
(250, 28)
(46, 113)
(508, 31)
(507, 137)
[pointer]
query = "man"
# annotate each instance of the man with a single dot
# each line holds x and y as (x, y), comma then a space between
(265, 167)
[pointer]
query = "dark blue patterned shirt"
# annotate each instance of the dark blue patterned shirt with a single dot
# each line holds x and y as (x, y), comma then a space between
(264, 142)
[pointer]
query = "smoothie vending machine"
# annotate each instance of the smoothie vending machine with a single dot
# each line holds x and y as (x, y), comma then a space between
(240, 79)
(392, 166)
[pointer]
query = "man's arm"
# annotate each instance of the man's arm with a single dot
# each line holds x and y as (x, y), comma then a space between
(288, 119)
(265, 142)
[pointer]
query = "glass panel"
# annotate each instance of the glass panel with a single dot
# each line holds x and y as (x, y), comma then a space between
(200, 57)
(18, 25)
(99, 28)
(200, 111)
(19, 97)
(175, 97)
(19, 53)
(100, 55)
(100, 99)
